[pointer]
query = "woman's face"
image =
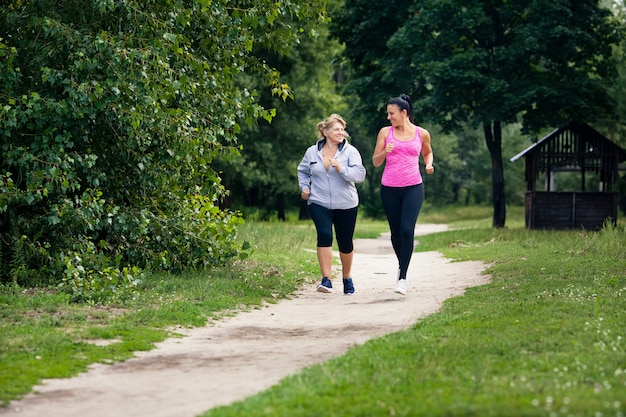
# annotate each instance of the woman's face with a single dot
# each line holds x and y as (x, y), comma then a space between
(395, 115)
(335, 132)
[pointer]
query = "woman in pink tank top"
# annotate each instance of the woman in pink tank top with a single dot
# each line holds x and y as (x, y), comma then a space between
(402, 191)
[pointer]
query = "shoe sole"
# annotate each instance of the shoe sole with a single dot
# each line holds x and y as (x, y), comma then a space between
(400, 291)
(321, 288)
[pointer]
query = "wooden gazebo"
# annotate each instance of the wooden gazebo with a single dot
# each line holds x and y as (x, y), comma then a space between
(579, 148)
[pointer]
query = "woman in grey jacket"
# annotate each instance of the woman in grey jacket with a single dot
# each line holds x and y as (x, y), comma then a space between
(327, 176)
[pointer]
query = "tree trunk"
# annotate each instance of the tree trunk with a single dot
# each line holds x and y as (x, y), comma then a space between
(280, 206)
(493, 138)
(304, 211)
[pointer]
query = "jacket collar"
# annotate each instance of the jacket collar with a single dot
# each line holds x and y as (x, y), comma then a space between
(322, 141)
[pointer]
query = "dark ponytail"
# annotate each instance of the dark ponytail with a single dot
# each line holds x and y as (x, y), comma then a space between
(404, 103)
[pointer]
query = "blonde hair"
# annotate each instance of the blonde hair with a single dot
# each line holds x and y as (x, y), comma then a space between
(328, 122)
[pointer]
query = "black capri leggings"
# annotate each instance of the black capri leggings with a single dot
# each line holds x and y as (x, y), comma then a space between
(402, 205)
(344, 222)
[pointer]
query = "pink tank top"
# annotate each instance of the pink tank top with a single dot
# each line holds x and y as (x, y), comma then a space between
(402, 164)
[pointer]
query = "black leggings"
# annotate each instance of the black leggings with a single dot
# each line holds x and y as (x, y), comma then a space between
(344, 222)
(402, 205)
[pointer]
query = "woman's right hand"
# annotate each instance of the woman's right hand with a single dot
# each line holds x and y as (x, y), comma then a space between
(305, 194)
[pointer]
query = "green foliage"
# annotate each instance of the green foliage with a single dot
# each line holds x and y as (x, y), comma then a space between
(474, 64)
(365, 28)
(494, 62)
(615, 128)
(97, 287)
(112, 116)
(263, 181)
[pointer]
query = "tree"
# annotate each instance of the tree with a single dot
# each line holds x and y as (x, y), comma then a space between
(264, 178)
(615, 128)
(490, 63)
(364, 27)
(112, 114)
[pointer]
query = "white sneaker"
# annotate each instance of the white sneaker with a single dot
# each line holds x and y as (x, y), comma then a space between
(401, 287)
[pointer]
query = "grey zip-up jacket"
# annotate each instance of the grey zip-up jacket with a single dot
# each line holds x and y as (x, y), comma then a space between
(331, 189)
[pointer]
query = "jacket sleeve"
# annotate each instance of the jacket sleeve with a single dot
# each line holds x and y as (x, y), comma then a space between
(354, 171)
(304, 171)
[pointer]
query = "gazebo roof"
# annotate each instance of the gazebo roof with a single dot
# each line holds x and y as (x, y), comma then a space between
(568, 144)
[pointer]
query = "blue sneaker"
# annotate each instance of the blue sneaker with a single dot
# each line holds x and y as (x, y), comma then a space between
(348, 287)
(325, 286)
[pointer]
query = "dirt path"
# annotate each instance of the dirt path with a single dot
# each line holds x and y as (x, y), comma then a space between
(240, 356)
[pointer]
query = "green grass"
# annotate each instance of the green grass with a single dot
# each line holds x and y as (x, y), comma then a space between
(544, 338)
(469, 217)
(455, 217)
(44, 335)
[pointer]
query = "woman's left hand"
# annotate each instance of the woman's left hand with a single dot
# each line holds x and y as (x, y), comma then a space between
(430, 169)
